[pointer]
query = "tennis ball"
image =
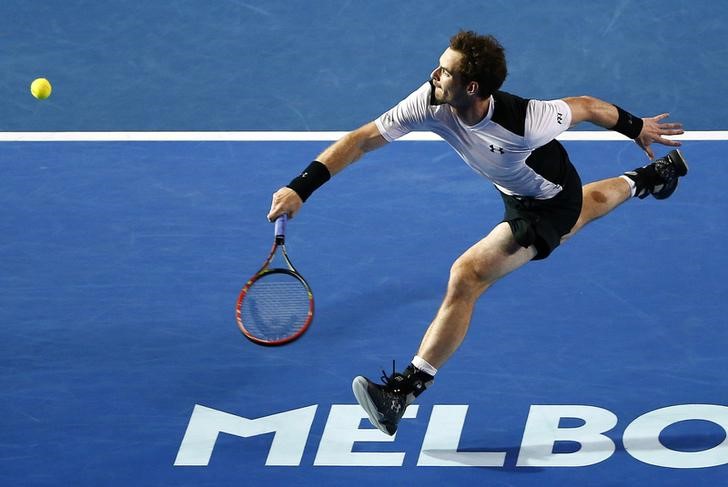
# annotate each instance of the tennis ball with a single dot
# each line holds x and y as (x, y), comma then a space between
(41, 88)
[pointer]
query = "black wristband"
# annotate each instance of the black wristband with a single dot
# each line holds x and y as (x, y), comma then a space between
(628, 124)
(311, 179)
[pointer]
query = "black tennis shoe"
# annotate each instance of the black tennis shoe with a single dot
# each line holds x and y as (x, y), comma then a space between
(659, 178)
(385, 404)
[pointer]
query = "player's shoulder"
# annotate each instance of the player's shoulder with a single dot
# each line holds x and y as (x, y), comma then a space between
(423, 101)
(424, 92)
(511, 100)
(422, 97)
(509, 111)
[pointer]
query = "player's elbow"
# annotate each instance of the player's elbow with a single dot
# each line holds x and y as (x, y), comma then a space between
(584, 108)
(368, 137)
(585, 102)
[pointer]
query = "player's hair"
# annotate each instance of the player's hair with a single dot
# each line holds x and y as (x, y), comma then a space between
(484, 60)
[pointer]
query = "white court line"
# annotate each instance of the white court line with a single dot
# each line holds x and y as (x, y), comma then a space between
(253, 136)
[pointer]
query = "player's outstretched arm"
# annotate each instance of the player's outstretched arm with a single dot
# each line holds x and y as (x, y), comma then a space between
(644, 131)
(336, 157)
(351, 147)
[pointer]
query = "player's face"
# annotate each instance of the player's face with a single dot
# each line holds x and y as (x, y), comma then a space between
(449, 85)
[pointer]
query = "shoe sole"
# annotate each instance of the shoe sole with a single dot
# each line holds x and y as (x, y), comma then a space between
(359, 387)
(680, 163)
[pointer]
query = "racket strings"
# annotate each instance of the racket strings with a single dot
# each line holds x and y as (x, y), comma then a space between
(276, 306)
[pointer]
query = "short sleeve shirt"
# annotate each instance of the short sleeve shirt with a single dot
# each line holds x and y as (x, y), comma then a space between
(499, 146)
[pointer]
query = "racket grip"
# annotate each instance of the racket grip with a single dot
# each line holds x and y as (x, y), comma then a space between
(280, 227)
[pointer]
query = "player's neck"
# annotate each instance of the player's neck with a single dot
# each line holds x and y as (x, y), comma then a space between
(474, 112)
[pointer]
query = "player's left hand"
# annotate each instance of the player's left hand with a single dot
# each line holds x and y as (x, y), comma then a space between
(653, 130)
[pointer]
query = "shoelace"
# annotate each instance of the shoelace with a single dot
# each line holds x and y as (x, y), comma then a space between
(386, 380)
(390, 382)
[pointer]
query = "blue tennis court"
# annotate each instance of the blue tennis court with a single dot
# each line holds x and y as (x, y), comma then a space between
(122, 262)
(124, 244)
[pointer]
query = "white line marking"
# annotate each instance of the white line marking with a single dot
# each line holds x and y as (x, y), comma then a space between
(254, 136)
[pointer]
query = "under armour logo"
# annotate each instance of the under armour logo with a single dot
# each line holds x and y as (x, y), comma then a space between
(494, 148)
(559, 118)
(396, 406)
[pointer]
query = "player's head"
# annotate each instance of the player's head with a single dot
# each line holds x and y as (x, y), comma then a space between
(474, 64)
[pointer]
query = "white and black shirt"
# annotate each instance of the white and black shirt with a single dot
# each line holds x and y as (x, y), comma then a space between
(513, 146)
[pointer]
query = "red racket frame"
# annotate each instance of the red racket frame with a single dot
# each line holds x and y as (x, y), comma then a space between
(265, 270)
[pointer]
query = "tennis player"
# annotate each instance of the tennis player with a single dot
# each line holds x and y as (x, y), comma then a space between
(511, 142)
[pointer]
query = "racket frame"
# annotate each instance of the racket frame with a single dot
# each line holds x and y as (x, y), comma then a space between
(279, 243)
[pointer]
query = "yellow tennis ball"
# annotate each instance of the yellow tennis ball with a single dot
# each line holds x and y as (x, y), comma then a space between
(41, 88)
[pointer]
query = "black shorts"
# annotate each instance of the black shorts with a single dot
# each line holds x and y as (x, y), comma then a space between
(543, 222)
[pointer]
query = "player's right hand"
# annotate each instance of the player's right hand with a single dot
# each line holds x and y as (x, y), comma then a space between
(285, 200)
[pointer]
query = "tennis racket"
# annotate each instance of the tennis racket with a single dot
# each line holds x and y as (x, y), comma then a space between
(276, 305)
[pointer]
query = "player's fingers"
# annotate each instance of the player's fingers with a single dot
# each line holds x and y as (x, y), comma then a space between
(275, 208)
(672, 131)
(671, 126)
(285, 200)
(646, 148)
(661, 116)
(662, 131)
(271, 212)
(275, 214)
(671, 143)
(280, 209)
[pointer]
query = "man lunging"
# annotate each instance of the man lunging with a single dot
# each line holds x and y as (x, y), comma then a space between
(511, 141)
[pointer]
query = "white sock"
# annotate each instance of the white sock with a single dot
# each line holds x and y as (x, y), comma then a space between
(632, 185)
(422, 365)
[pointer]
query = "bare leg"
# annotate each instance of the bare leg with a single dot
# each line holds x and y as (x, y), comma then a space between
(600, 197)
(472, 273)
(492, 258)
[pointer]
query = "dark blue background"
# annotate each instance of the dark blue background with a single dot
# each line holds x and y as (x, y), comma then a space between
(333, 65)
(120, 262)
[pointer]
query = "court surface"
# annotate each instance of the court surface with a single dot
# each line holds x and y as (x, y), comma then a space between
(121, 263)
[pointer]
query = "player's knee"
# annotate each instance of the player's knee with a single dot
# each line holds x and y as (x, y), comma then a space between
(467, 279)
(577, 226)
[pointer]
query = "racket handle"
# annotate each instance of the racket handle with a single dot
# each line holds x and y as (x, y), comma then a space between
(280, 230)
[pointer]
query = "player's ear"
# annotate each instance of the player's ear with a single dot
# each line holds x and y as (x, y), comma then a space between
(472, 88)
